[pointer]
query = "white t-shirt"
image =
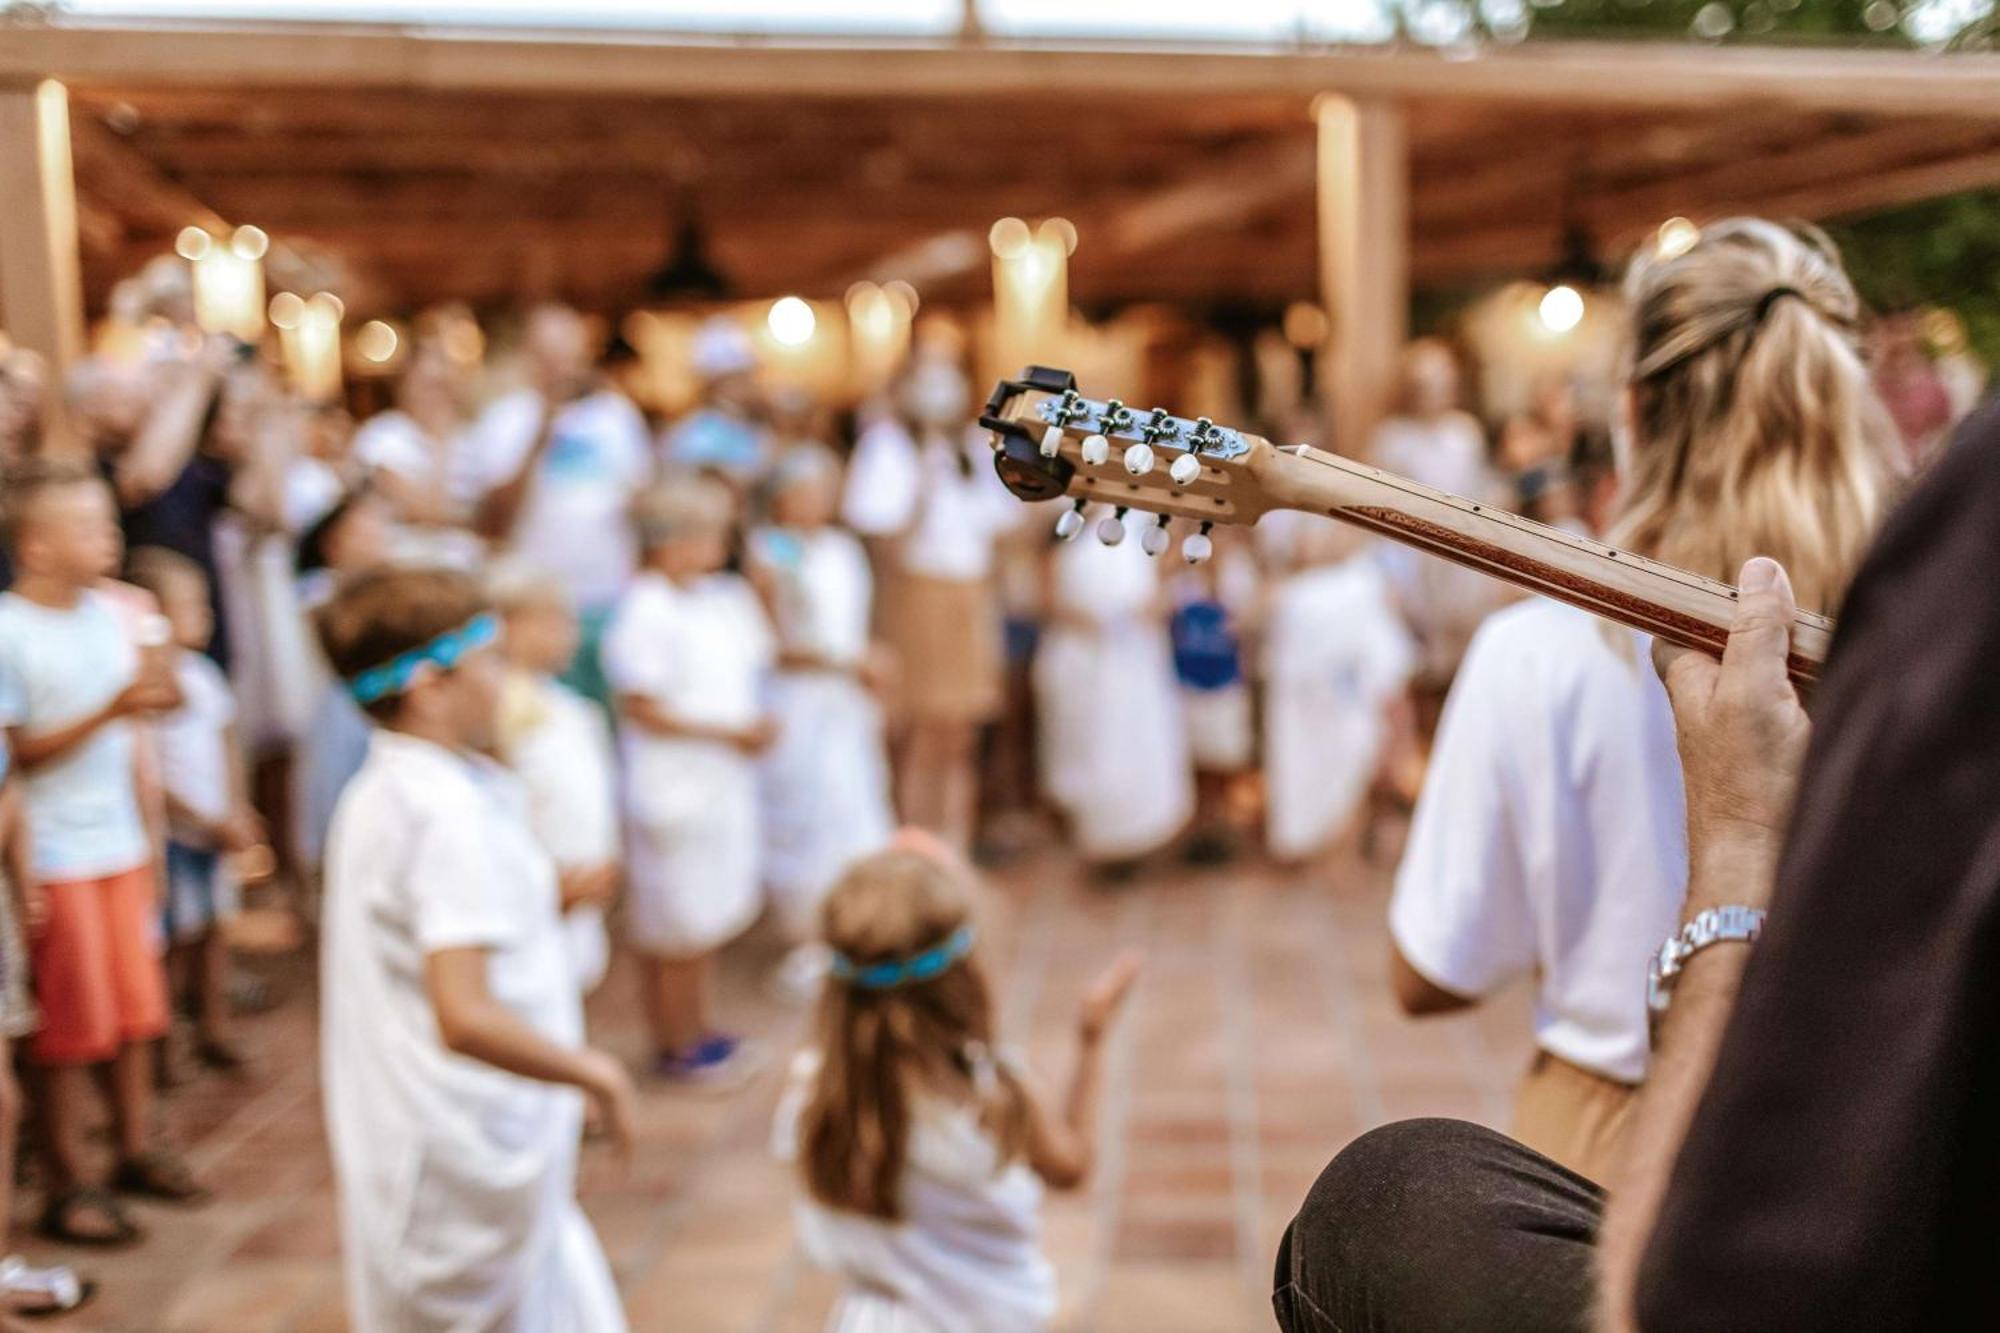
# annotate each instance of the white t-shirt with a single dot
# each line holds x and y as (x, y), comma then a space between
(701, 652)
(392, 441)
(952, 514)
(1448, 453)
(1550, 838)
(56, 667)
(825, 591)
(574, 522)
(194, 751)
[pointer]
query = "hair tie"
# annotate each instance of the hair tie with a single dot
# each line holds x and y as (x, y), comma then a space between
(1772, 297)
(444, 652)
(932, 962)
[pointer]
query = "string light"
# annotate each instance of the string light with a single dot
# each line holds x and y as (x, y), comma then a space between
(1561, 308)
(1009, 238)
(1676, 237)
(286, 309)
(250, 243)
(376, 341)
(192, 243)
(791, 321)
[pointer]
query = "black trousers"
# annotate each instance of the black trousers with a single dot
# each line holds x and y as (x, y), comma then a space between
(1438, 1226)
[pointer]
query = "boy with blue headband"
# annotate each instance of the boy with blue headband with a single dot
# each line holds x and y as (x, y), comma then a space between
(452, 1039)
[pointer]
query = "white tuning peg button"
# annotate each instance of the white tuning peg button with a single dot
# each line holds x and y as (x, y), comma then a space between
(1185, 469)
(1069, 524)
(1155, 540)
(1096, 449)
(1052, 439)
(1139, 459)
(1197, 548)
(1111, 530)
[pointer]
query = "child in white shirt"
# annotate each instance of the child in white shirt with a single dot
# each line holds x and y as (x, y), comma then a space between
(559, 744)
(209, 817)
(826, 782)
(452, 1037)
(687, 656)
(921, 1151)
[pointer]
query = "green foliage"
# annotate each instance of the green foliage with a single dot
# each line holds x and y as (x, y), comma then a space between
(1752, 20)
(1944, 252)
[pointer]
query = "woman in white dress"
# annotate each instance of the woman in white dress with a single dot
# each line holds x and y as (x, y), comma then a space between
(1114, 735)
(451, 1045)
(921, 1151)
(826, 781)
(1337, 659)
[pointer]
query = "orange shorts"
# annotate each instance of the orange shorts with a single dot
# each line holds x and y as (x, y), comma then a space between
(98, 976)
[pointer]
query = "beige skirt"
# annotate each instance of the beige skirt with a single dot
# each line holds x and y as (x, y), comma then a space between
(946, 636)
(1574, 1116)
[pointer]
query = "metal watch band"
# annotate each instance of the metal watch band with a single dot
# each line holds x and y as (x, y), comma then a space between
(1712, 925)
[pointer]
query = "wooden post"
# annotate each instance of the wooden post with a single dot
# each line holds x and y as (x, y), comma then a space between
(41, 287)
(1364, 258)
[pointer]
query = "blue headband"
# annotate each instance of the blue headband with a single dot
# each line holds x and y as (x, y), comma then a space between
(445, 652)
(906, 971)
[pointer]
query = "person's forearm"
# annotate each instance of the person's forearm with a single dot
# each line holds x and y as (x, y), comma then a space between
(1079, 1109)
(650, 717)
(489, 1033)
(168, 437)
(501, 509)
(1683, 1057)
(32, 752)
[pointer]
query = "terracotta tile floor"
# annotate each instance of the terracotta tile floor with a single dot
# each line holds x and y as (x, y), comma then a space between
(1262, 1038)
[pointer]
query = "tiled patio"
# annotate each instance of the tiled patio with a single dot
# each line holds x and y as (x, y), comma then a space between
(1261, 1038)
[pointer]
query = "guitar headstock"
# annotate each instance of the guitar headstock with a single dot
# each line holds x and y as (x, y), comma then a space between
(1050, 441)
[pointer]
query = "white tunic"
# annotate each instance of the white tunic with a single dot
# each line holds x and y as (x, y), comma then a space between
(561, 750)
(457, 1181)
(826, 782)
(1337, 654)
(1114, 737)
(967, 1256)
(701, 653)
(1550, 838)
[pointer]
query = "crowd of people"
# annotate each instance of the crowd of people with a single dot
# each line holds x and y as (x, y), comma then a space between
(507, 675)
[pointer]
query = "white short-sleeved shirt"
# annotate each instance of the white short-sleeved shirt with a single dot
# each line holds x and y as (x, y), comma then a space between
(392, 441)
(825, 591)
(194, 749)
(58, 666)
(575, 522)
(1551, 835)
(700, 651)
(963, 510)
(564, 759)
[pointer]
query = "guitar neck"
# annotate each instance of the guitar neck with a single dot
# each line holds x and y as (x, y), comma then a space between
(1670, 604)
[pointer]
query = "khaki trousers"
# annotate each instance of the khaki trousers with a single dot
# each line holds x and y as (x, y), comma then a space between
(1574, 1116)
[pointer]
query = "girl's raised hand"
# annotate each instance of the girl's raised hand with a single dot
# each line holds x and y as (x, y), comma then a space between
(1107, 995)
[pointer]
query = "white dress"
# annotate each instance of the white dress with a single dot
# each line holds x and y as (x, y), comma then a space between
(967, 1256)
(1336, 655)
(560, 748)
(1114, 735)
(826, 782)
(457, 1181)
(701, 653)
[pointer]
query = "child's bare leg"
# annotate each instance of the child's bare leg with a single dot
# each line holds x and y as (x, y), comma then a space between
(677, 1002)
(10, 1131)
(64, 1095)
(210, 967)
(130, 1091)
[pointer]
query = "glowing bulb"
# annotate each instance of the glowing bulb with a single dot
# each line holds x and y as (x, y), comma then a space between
(1677, 236)
(328, 305)
(1009, 237)
(791, 321)
(1061, 231)
(286, 308)
(376, 341)
(902, 295)
(249, 242)
(1562, 308)
(192, 243)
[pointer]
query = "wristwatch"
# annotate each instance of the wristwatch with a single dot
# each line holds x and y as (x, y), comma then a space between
(1711, 925)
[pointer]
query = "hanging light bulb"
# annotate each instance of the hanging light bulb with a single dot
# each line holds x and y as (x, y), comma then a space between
(1561, 309)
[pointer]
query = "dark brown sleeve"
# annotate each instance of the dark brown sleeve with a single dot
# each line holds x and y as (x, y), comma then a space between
(1839, 1173)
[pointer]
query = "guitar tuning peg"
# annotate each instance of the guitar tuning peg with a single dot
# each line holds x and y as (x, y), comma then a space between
(1185, 470)
(1139, 459)
(1198, 547)
(1111, 528)
(1071, 522)
(1156, 539)
(1052, 439)
(1096, 449)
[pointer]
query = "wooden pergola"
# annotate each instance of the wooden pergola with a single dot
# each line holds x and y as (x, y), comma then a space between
(483, 165)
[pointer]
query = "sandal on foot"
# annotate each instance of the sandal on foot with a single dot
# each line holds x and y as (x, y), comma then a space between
(39, 1293)
(158, 1175)
(59, 1219)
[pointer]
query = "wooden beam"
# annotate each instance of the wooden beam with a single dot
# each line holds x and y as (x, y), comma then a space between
(41, 285)
(1364, 233)
(1551, 72)
(124, 180)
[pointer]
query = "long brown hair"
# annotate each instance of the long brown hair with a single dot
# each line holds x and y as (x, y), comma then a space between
(1756, 428)
(882, 1050)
